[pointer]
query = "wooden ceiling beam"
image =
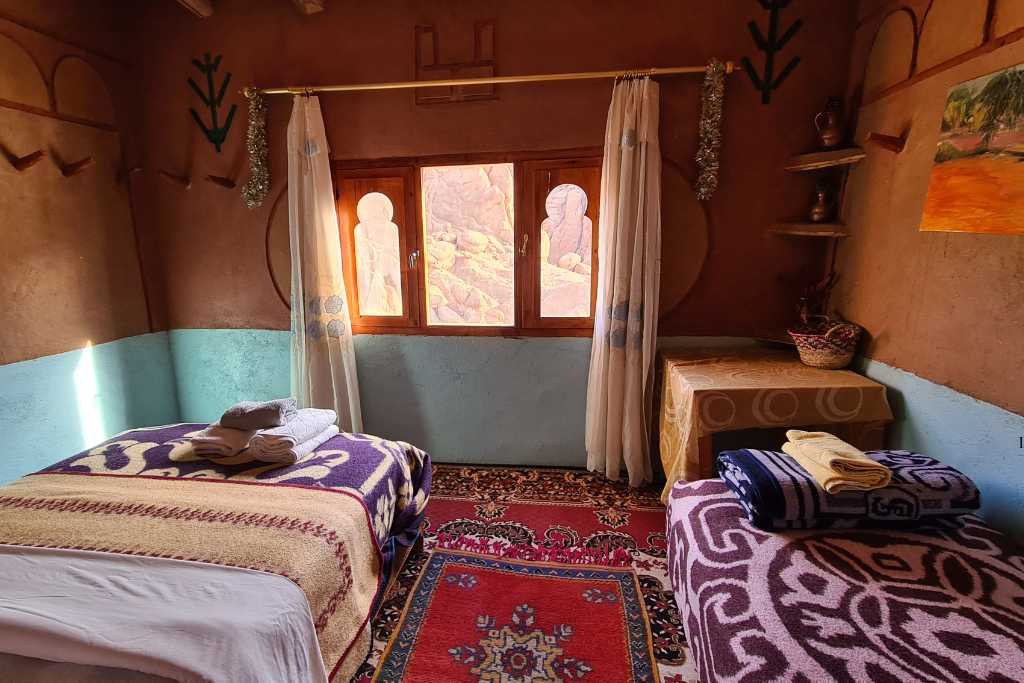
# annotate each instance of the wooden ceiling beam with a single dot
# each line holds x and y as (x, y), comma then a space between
(200, 8)
(308, 7)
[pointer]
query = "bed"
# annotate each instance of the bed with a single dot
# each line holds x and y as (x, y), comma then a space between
(137, 557)
(942, 602)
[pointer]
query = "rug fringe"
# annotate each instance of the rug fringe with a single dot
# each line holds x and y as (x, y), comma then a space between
(498, 547)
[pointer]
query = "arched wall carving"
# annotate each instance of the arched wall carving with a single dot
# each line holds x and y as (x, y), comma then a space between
(1009, 16)
(22, 79)
(946, 32)
(80, 91)
(949, 28)
(278, 248)
(893, 53)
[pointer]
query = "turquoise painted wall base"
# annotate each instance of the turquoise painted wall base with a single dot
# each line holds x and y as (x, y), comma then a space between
(463, 399)
(55, 406)
(217, 368)
(978, 438)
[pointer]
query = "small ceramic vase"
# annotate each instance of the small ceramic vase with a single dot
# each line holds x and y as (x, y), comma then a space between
(822, 205)
(830, 123)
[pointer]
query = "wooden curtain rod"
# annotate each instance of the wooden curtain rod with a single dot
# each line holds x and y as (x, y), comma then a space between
(492, 80)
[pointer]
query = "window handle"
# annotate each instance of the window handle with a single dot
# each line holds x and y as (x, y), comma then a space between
(526, 240)
(414, 256)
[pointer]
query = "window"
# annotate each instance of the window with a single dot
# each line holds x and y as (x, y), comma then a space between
(565, 258)
(469, 244)
(563, 226)
(378, 257)
(505, 245)
(378, 235)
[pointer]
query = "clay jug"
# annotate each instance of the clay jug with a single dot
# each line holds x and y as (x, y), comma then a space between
(830, 123)
(823, 205)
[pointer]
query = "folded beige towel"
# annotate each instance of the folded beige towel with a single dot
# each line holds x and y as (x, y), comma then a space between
(835, 464)
(217, 441)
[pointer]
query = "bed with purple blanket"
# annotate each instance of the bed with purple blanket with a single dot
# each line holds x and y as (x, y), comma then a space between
(235, 570)
(943, 601)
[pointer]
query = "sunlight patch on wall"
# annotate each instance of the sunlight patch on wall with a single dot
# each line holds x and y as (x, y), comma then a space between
(87, 398)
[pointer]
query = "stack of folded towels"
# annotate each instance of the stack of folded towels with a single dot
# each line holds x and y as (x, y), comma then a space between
(271, 431)
(821, 481)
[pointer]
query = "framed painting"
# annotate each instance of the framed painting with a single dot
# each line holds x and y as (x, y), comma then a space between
(977, 180)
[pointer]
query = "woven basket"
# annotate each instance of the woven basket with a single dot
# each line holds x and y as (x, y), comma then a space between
(828, 344)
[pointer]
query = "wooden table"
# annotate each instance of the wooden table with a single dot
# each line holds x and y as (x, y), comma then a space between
(707, 391)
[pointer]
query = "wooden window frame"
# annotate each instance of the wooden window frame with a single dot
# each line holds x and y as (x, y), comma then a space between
(538, 184)
(408, 241)
(528, 322)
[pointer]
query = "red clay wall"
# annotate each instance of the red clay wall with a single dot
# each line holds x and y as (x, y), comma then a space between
(207, 257)
(945, 306)
(69, 268)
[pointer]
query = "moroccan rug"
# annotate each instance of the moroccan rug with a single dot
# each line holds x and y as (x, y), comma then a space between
(563, 515)
(479, 618)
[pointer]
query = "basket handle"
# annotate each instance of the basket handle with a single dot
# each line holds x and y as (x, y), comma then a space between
(835, 327)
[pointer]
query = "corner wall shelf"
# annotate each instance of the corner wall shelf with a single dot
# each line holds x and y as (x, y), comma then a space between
(836, 230)
(828, 159)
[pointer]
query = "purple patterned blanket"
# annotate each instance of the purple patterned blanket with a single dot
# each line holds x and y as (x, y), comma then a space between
(391, 478)
(944, 602)
(778, 493)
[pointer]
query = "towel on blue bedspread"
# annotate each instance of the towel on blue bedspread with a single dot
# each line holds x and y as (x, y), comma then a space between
(777, 493)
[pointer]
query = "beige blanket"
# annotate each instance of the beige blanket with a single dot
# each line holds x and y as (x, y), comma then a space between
(320, 539)
(835, 464)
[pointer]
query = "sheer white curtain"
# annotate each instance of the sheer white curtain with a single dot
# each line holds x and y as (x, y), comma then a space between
(626, 319)
(323, 360)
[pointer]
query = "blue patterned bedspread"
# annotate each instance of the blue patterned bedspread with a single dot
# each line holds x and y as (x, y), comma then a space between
(392, 478)
(777, 493)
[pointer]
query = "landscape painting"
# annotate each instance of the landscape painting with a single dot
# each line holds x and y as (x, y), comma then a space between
(977, 181)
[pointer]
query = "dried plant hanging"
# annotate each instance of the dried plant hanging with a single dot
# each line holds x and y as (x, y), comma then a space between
(710, 134)
(256, 188)
(212, 98)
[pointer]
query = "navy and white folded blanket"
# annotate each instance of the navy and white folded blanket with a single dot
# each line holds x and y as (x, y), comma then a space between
(778, 493)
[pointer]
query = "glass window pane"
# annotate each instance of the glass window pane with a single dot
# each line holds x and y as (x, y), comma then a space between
(565, 254)
(378, 257)
(470, 244)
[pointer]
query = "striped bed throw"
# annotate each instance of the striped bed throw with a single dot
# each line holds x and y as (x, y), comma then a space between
(778, 493)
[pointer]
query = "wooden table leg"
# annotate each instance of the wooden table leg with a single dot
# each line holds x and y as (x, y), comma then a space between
(705, 457)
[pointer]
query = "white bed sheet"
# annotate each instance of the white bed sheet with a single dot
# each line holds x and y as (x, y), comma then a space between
(184, 621)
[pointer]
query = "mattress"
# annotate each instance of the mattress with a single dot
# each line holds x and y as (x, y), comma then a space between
(334, 525)
(941, 602)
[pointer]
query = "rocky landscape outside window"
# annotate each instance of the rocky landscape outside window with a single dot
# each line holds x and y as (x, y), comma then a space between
(469, 244)
(565, 259)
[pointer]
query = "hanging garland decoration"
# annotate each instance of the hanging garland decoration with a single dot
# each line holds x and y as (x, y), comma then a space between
(710, 135)
(256, 188)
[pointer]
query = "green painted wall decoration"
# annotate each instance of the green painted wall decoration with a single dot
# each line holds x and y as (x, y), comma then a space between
(770, 45)
(212, 98)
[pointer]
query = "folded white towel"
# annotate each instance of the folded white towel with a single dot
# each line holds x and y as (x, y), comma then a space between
(307, 423)
(259, 415)
(297, 452)
(217, 441)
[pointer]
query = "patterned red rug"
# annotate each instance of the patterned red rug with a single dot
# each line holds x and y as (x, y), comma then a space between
(479, 618)
(559, 515)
